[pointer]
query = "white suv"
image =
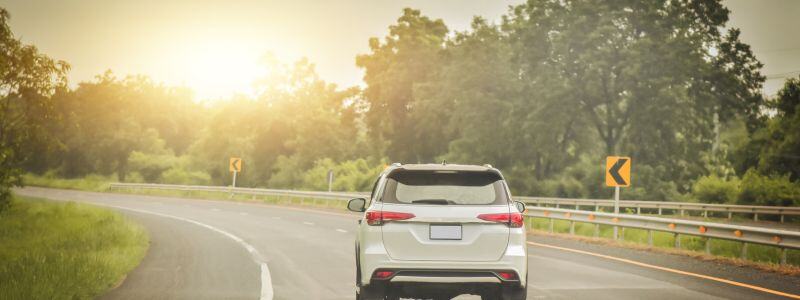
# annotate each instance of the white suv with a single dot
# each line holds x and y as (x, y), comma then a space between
(436, 231)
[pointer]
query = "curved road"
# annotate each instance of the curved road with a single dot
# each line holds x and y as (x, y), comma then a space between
(230, 250)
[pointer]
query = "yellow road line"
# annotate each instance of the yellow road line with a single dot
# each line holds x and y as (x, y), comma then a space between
(641, 264)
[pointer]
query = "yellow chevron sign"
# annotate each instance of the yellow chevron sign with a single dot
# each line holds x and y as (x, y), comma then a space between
(235, 164)
(618, 171)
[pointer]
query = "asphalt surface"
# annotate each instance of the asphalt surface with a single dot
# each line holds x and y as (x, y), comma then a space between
(215, 249)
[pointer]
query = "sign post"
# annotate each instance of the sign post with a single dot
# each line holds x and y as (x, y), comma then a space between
(235, 166)
(330, 180)
(618, 174)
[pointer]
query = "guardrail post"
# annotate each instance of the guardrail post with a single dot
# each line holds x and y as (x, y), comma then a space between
(638, 210)
(677, 241)
(596, 230)
(659, 210)
(755, 217)
(551, 225)
(577, 206)
(650, 238)
(730, 215)
(708, 245)
(744, 250)
(622, 234)
(705, 213)
(572, 227)
(596, 207)
(782, 217)
(681, 210)
(557, 205)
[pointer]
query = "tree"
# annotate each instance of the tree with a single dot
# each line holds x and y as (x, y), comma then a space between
(295, 120)
(648, 77)
(27, 81)
(103, 121)
(780, 140)
(409, 55)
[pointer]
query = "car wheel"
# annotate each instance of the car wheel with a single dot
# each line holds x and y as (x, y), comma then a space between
(371, 293)
(358, 276)
(514, 293)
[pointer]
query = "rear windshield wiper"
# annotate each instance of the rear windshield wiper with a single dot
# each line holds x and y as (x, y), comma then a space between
(433, 201)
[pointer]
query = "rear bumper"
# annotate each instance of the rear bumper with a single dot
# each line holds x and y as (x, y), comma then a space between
(375, 257)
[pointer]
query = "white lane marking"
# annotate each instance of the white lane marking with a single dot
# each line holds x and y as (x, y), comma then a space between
(243, 213)
(215, 209)
(266, 281)
(308, 223)
(341, 230)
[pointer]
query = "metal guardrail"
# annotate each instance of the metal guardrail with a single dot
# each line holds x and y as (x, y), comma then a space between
(244, 191)
(781, 239)
(660, 206)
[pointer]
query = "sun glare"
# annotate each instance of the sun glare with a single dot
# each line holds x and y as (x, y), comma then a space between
(220, 70)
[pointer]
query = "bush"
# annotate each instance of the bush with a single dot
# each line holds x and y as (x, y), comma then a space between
(351, 175)
(181, 176)
(287, 173)
(713, 189)
(91, 182)
(757, 189)
(151, 166)
(648, 183)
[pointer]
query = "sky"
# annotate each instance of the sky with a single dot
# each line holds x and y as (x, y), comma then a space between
(214, 46)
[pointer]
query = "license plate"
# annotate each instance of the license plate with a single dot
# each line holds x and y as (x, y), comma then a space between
(445, 232)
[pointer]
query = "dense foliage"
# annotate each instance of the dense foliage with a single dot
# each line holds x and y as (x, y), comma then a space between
(27, 80)
(545, 94)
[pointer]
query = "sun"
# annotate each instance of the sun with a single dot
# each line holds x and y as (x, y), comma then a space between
(220, 70)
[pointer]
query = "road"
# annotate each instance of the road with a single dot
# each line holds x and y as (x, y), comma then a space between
(231, 250)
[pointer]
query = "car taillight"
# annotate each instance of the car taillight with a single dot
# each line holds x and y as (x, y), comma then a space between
(514, 220)
(507, 275)
(382, 274)
(377, 218)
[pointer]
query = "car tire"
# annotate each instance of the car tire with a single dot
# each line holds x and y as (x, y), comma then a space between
(370, 293)
(514, 293)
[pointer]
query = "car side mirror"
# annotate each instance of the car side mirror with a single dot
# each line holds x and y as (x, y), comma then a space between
(520, 206)
(357, 204)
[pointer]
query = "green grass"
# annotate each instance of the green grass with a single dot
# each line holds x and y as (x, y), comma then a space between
(724, 248)
(53, 250)
(95, 183)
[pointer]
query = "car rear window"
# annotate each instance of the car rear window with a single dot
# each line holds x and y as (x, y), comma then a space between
(444, 188)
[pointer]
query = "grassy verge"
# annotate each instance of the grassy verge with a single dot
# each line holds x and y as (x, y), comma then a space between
(722, 248)
(52, 250)
(94, 183)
